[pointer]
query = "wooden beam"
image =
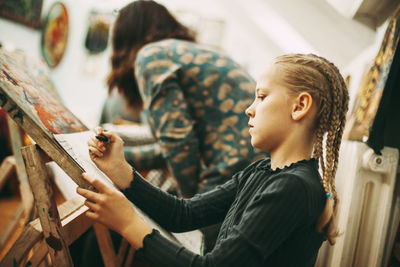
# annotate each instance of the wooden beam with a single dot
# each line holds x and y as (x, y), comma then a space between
(40, 251)
(7, 167)
(16, 134)
(105, 245)
(123, 248)
(11, 225)
(46, 205)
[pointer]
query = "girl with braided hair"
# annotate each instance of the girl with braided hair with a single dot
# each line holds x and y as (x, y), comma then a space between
(275, 212)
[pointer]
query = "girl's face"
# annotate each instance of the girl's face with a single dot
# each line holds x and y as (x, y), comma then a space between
(270, 113)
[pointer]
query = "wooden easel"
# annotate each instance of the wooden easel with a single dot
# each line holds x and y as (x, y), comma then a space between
(49, 234)
(56, 228)
(32, 105)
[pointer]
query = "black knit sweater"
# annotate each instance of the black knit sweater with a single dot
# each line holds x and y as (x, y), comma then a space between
(268, 218)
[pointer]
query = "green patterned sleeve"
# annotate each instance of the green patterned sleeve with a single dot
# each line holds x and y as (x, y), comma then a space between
(169, 116)
(145, 157)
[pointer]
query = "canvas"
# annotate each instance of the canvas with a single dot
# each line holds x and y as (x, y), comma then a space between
(35, 106)
(33, 97)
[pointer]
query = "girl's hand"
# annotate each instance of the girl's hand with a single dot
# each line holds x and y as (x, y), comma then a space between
(112, 209)
(110, 158)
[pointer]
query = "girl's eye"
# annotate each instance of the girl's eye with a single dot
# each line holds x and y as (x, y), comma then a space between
(261, 97)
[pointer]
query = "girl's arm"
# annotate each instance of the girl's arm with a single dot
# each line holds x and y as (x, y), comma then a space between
(171, 213)
(268, 220)
(180, 215)
(111, 208)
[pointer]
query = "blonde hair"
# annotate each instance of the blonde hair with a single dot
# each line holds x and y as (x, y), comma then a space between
(322, 79)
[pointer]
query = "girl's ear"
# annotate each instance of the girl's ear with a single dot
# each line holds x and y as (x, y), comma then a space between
(301, 106)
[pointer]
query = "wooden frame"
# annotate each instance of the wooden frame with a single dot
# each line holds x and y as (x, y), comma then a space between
(14, 10)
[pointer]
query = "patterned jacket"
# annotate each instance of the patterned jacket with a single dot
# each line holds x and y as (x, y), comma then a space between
(194, 100)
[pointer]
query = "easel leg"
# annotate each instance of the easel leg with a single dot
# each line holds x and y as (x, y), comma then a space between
(110, 258)
(46, 205)
(39, 255)
(105, 245)
(7, 167)
(12, 225)
(16, 136)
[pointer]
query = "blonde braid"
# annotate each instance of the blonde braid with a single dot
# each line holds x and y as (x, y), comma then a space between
(335, 132)
(325, 83)
(340, 98)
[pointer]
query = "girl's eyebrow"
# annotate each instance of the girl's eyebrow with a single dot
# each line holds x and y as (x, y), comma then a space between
(261, 90)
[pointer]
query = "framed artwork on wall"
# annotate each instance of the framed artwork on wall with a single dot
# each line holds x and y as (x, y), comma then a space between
(26, 12)
(98, 32)
(373, 115)
(55, 34)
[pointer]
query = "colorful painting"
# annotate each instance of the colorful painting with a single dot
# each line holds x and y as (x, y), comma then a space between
(373, 83)
(26, 12)
(33, 95)
(55, 34)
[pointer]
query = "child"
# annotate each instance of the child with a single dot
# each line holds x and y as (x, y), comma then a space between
(275, 212)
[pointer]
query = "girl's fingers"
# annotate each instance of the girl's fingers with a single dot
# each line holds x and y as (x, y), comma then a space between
(95, 152)
(98, 130)
(92, 215)
(92, 206)
(100, 186)
(93, 142)
(109, 134)
(89, 195)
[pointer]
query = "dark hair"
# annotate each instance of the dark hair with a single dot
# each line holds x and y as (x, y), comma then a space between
(139, 23)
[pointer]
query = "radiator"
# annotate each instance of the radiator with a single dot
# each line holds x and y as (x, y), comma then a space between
(365, 183)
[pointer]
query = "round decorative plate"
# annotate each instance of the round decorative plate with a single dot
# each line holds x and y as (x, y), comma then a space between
(55, 34)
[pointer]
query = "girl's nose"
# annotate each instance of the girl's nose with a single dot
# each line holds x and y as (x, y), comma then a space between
(249, 111)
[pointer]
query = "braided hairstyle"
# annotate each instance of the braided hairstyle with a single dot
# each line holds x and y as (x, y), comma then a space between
(323, 81)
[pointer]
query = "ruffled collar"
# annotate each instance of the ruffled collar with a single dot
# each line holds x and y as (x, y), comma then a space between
(266, 164)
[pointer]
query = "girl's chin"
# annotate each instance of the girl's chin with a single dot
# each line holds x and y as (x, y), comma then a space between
(258, 145)
(254, 144)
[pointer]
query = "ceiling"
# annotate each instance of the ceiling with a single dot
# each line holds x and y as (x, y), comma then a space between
(304, 26)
